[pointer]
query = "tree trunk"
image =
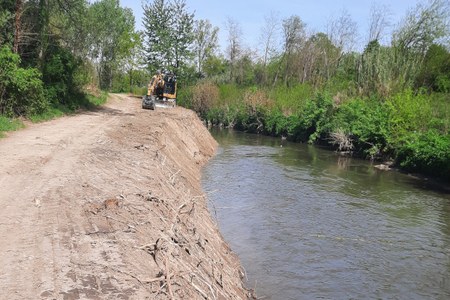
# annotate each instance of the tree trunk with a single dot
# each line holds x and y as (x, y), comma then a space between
(17, 25)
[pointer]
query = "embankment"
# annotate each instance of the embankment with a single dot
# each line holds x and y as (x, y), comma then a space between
(108, 205)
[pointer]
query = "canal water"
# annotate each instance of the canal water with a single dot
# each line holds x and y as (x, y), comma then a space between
(307, 223)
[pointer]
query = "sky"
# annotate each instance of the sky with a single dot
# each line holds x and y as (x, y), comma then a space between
(250, 14)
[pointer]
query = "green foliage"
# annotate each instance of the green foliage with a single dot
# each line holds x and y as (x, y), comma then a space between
(86, 101)
(8, 124)
(230, 94)
(112, 39)
(426, 152)
(408, 112)
(367, 123)
(435, 72)
(21, 90)
(6, 24)
(169, 32)
(63, 77)
(291, 100)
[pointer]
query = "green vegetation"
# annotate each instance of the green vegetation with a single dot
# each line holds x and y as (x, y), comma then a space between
(55, 54)
(387, 101)
(7, 124)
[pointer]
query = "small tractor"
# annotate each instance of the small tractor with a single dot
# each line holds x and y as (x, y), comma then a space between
(161, 92)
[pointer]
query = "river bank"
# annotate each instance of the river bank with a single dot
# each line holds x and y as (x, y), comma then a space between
(107, 204)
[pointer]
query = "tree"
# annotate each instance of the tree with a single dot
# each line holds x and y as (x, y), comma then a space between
(169, 33)
(422, 27)
(157, 16)
(205, 42)
(234, 48)
(269, 37)
(435, 71)
(6, 22)
(182, 34)
(342, 32)
(379, 21)
(112, 39)
(268, 40)
(294, 36)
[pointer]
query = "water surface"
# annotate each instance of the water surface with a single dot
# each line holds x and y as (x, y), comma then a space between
(307, 223)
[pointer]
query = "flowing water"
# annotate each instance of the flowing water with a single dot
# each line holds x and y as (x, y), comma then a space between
(307, 223)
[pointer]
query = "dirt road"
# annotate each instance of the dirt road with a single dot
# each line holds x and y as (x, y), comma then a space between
(107, 204)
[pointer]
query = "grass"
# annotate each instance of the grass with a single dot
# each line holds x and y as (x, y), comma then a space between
(85, 101)
(8, 124)
(97, 101)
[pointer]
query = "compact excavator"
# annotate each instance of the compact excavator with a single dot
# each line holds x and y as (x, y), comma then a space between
(161, 91)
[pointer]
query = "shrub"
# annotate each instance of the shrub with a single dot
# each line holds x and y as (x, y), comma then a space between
(408, 112)
(21, 90)
(316, 117)
(205, 95)
(367, 123)
(427, 152)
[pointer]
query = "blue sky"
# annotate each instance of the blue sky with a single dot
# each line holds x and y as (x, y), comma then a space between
(316, 14)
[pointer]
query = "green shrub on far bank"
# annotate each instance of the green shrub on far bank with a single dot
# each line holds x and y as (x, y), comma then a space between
(412, 128)
(426, 152)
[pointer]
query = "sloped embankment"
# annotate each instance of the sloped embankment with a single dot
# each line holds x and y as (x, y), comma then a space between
(108, 205)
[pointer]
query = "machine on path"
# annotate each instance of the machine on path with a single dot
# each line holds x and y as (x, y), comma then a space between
(161, 91)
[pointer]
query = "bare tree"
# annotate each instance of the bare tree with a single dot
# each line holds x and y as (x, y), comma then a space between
(343, 32)
(234, 44)
(379, 21)
(269, 36)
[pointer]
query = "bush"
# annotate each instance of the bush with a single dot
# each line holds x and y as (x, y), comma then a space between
(205, 96)
(292, 100)
(366, 122)
(408, 112)
(427, 152)
(21, 90)
(316, 118)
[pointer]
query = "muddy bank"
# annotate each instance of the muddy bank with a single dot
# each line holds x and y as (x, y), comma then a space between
(108, 205)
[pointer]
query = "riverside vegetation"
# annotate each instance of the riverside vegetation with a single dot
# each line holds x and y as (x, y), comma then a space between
(389, 101)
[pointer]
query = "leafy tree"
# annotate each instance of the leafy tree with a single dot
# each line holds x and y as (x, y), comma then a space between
(182, 34)
(6, 21)
(21, 90)
(294, 37)
(435, 72)
(112, 38)
(157, 18)
(169, 33)
(422, 27)
(205, 42)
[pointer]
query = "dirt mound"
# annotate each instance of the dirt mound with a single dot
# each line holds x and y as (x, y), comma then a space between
(108, 205)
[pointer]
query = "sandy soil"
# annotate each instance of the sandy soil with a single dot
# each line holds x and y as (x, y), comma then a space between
(108, 205)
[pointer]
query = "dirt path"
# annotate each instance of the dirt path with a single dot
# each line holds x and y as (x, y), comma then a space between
(108, 205)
